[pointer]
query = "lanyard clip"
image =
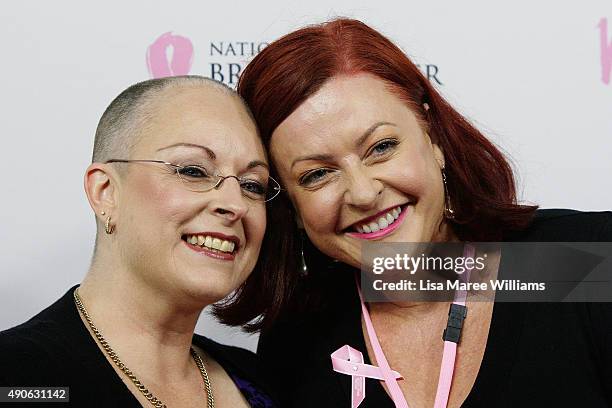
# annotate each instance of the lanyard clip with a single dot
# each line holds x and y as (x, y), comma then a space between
(456, 315)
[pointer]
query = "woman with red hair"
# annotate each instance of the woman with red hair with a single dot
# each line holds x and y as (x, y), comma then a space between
(367, 150)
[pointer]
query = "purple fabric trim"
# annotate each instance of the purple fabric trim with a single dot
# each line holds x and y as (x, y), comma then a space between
(254, 396)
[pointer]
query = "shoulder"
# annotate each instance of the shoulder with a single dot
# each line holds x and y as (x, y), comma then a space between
(36, 334)
(23, 340)
(30, 350)
(336, 306)
(22, 358)
(566, 225)
(317, 331)
(27, 338)
(33, 348)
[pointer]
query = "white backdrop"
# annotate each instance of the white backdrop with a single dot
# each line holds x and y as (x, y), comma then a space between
(535, 76)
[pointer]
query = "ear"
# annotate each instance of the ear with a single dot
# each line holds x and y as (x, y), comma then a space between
(438, 155)
(101, 188)
(437, 151)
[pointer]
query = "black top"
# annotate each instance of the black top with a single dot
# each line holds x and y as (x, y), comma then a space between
(54, 349)
(537, 354)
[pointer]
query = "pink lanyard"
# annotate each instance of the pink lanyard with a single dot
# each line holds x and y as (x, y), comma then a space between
(347, 360)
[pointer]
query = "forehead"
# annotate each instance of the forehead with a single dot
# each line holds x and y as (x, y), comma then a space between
(344, 106)
(205, 116)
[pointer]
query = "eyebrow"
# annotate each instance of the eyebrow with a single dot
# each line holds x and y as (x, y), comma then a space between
(257, 163)
(359, 142)
(371, 130)
(213, 156)
(208, 151)
(318, 157)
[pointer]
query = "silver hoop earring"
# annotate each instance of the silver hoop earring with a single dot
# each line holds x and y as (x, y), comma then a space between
(304, 267)
(449, 212)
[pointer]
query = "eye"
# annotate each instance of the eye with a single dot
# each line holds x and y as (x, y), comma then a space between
(253, 188)
(384, 146)
(193, 171)
(313, 176)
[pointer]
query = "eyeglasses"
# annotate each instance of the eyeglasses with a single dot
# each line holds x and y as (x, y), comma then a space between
(204, 177)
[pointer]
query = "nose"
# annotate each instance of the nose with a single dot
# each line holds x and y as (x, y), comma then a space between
(228, 201)
(362, 190)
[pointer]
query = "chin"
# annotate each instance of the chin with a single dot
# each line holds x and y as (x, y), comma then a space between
(207, 286)
(413, 232)
(207, 295)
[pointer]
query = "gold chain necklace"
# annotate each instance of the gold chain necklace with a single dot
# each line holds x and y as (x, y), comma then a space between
(156, 402)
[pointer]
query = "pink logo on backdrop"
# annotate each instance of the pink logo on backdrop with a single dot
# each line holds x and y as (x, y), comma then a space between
(606, 51)
(172, 55)
(181, 56)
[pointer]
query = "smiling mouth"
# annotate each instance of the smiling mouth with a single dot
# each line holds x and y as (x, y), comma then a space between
(380, 224)
(211, 243)
(379, 221)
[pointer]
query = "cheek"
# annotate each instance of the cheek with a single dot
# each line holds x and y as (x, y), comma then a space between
(255, 225)
(155, 206)
(414, 174)
(412, 181)
(318, 211)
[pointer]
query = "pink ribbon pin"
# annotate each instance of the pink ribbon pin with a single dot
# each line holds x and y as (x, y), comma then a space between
(347, 360)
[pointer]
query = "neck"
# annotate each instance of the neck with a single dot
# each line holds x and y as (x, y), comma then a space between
(138, 321)
(408, 310)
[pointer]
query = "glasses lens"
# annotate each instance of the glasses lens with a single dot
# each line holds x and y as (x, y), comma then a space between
(273, 189)
(256, 190)
(197, 177)
(202, 177)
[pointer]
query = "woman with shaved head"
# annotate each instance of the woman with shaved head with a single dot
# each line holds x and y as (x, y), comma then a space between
(178, 184)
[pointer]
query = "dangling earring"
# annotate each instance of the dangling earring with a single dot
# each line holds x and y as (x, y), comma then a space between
(304, 267)
(449, 213)
(108, 227)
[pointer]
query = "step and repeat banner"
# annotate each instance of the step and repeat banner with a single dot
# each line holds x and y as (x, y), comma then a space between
(534, 76)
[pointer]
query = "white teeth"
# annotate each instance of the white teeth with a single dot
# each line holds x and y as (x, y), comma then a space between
(224, 246)
(383, 223)
(211, 242)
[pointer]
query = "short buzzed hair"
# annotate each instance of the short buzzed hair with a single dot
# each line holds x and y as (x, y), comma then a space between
(127, 115)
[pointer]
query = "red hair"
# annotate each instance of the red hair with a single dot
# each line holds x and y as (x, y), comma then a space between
(481, 184)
